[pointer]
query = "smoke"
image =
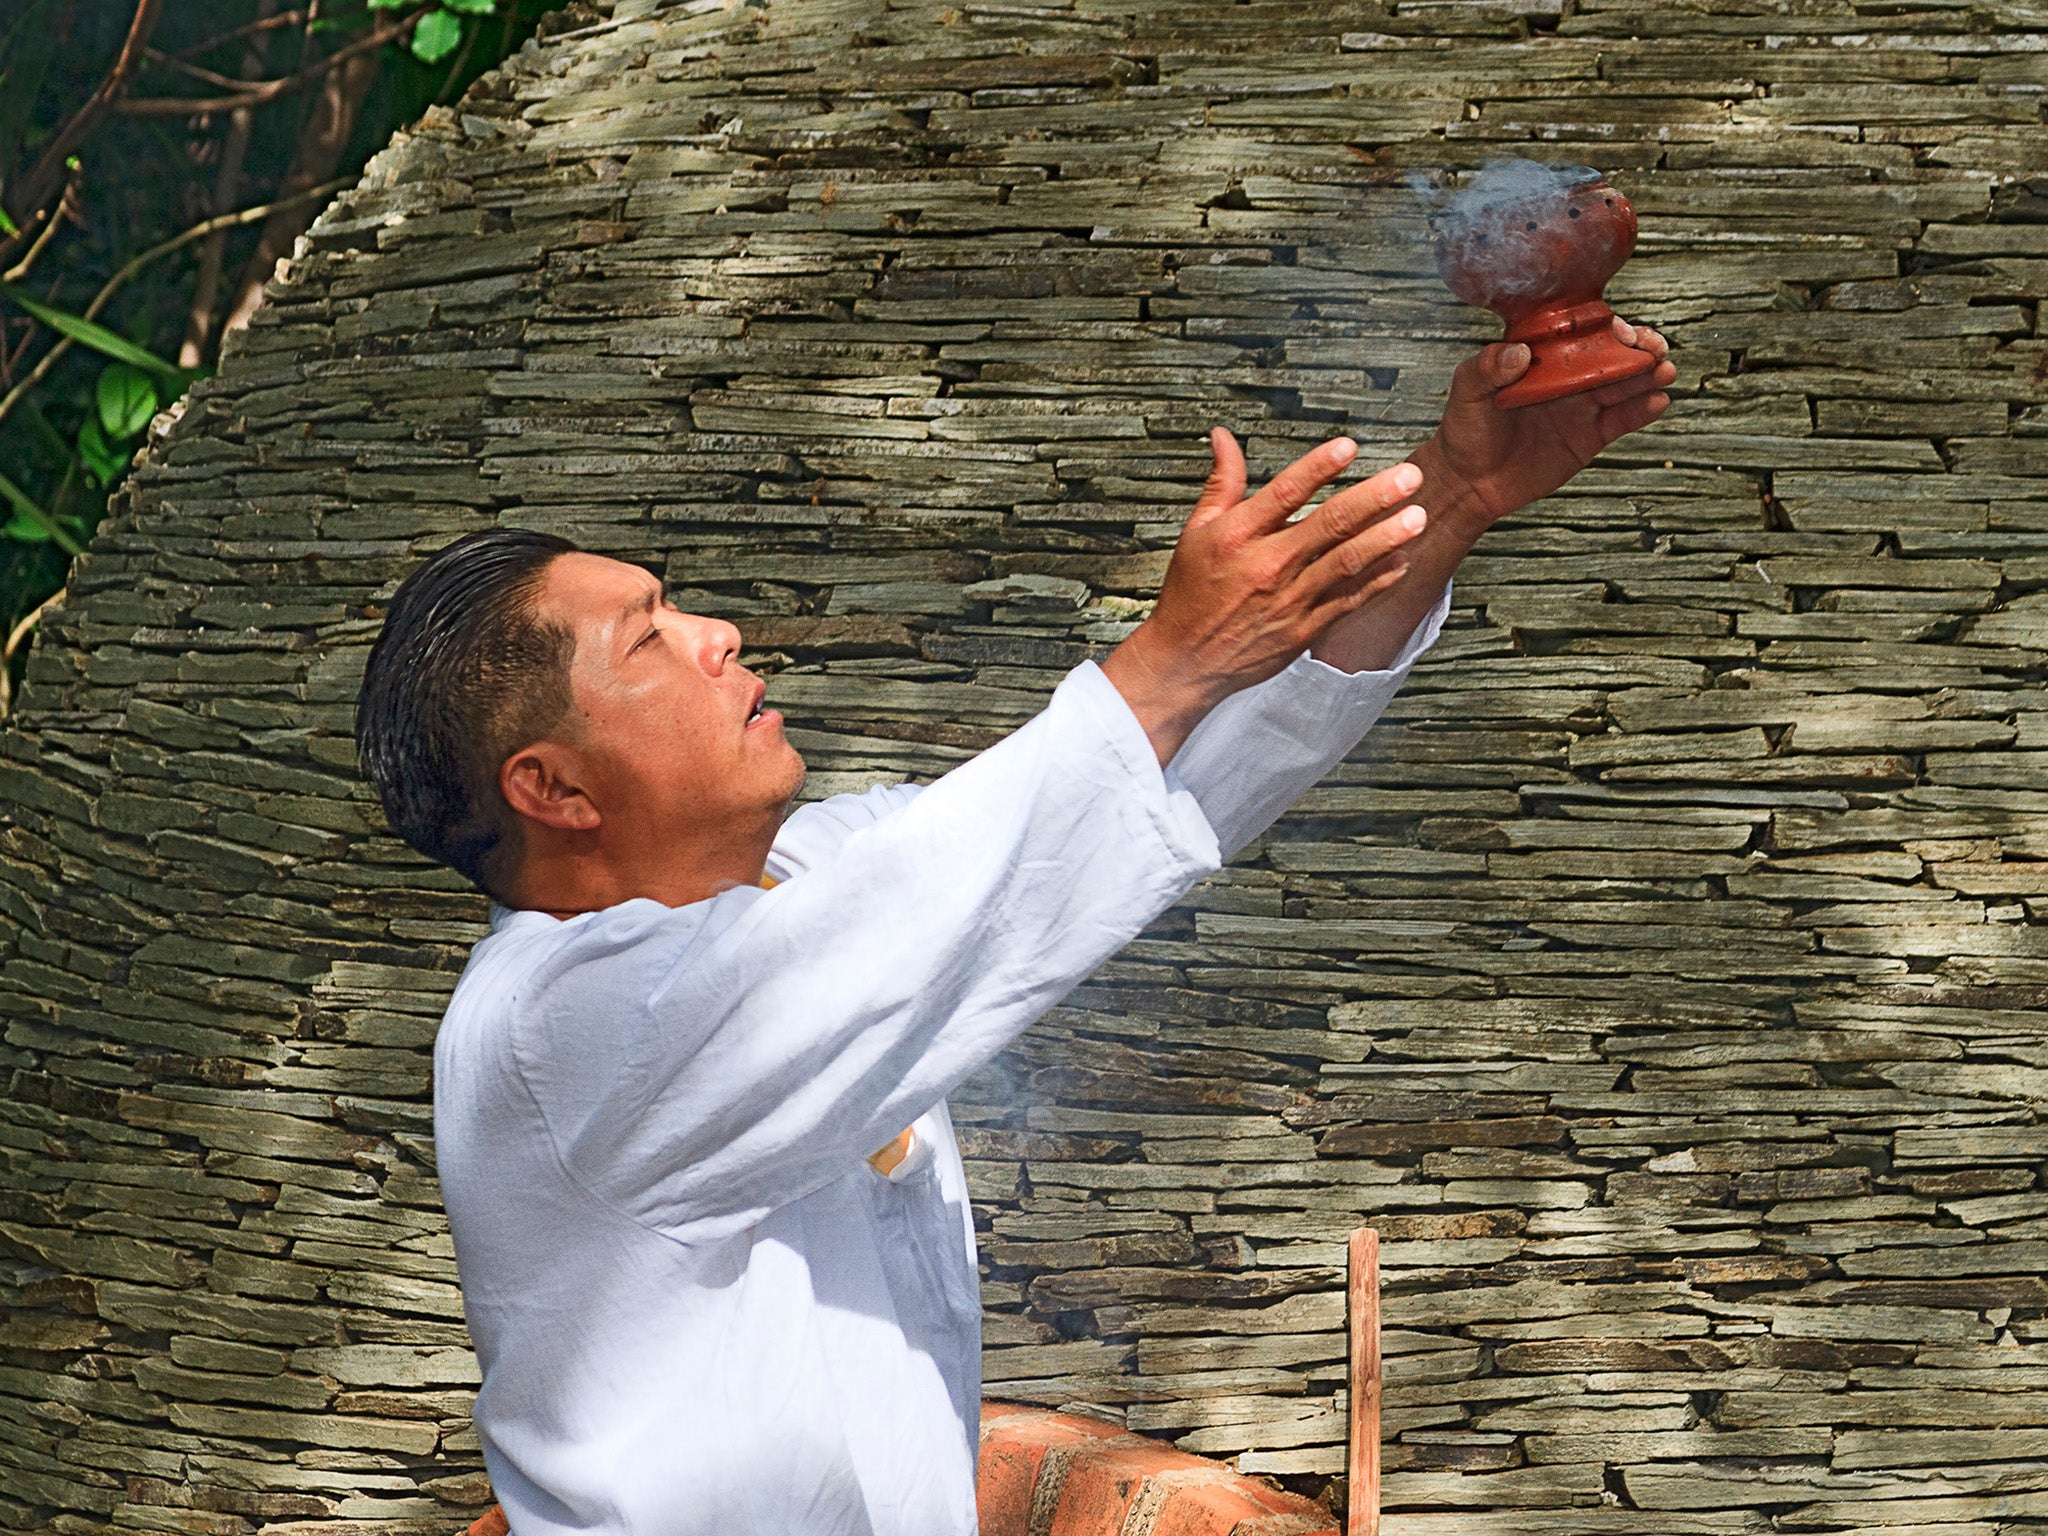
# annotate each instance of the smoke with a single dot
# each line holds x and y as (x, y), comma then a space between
(1490, 219)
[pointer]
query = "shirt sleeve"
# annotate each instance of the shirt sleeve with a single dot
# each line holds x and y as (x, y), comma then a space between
(697, 1067)
(1258, 751)
(813, 832)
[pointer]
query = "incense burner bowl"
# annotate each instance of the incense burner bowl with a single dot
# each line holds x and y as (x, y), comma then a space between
(1541, 263)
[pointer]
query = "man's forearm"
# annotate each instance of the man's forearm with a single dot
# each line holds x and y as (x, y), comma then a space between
(1370, 639)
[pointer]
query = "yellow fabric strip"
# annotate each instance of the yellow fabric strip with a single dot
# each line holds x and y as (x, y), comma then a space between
(890, 1158)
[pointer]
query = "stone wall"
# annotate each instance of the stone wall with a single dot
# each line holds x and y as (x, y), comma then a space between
(1664, 978)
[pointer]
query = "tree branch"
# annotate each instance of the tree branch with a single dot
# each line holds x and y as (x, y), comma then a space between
(227, 191)
(42, 182)
(270, 90)
(321, 143)
(222, 39)
(180, 66)
(68, 203)
(115, 283)
(15, 637)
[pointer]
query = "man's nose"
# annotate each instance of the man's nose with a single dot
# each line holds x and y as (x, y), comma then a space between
(721, 643)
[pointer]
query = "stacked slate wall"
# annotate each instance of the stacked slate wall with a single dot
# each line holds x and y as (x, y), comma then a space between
(1664, 977)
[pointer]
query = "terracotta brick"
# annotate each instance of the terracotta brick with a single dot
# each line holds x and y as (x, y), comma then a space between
(1313, 1520)
(1004, 1485)
(1112, 1484)
(1104, 1481)
(1207, 1501)
(1016, 1443)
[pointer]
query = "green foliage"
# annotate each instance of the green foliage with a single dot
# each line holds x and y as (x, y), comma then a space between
(31, 524)
(438, 34)
(91, 332)
(98, 337)
(102, 460)
(126, 400)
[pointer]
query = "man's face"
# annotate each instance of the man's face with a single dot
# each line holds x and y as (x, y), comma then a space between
(670, 738)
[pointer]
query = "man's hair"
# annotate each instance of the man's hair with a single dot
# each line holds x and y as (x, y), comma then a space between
(464, 674)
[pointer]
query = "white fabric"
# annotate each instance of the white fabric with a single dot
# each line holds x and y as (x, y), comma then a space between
(698, 1308)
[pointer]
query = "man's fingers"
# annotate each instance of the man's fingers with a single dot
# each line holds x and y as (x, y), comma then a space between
(1350, 512)
(1357, 555)
(1225, 486)
(1492, 367)
(1288, 492)
(1503, 363)
(1636, 384)
(1640, 336)
(1637, 411)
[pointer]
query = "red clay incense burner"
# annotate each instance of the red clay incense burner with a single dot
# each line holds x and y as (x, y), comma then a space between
(1537, 246)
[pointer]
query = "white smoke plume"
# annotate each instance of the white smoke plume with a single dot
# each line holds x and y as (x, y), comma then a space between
(1493, 217)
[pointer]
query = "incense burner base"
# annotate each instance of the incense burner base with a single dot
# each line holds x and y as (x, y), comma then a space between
(1572, 348)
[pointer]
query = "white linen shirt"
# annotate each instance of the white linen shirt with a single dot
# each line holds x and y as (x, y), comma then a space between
(698, 1308)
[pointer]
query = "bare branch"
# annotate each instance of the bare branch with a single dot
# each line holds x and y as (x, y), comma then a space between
(15, 637)
(227, 191)
(67, 204)
(28, 622)
(41, 183)
(222, 39)
(172, 62)
(319, 150)
(271, 90)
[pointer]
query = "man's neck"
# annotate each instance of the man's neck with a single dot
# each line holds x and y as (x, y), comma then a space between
(566, 881)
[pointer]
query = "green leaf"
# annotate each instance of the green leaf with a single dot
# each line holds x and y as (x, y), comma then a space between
(384, 5)
(15, 496)
(470, 7)
(126, 400)
(102, 460)
(435, 37)
(25, 530)
(98, 337)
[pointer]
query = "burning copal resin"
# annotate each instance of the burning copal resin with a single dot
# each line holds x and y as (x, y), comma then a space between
(1537, 244)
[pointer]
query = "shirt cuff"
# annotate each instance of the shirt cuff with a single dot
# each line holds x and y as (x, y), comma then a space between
(1175, 813)
(1421, 640)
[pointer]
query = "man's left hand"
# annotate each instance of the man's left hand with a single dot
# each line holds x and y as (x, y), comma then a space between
(1490, 462)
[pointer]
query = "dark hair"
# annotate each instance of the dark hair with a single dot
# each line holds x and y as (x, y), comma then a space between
(463, 674)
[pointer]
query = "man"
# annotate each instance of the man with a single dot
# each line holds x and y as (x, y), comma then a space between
(690, 1094)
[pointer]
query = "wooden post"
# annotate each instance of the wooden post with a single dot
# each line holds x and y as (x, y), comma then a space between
(1363, 1463)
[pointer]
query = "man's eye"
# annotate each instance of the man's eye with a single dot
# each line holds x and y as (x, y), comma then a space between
(643, 640)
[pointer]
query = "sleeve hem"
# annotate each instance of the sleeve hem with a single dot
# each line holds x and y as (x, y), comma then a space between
(1173, 811)
(1424, 636)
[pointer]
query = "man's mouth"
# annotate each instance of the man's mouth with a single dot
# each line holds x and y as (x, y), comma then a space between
(760, 693)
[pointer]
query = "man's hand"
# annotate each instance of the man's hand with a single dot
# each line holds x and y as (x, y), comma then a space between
(1247, 590)
(1493, 462)
(1484, 463)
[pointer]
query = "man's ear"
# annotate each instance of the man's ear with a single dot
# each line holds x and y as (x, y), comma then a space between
(542, 782)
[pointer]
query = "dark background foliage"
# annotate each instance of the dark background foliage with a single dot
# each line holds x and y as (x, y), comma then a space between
(156, 158)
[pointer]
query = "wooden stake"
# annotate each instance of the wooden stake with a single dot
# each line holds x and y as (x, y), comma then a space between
(1363, 1463)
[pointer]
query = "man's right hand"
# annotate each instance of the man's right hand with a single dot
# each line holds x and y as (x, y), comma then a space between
(1247, 590)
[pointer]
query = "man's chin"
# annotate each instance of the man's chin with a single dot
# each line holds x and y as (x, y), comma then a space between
(797, 767)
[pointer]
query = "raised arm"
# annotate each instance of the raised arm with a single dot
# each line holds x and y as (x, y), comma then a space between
(1483, 463)
(698, 1066)
(1248, 590)
(1255, 755)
